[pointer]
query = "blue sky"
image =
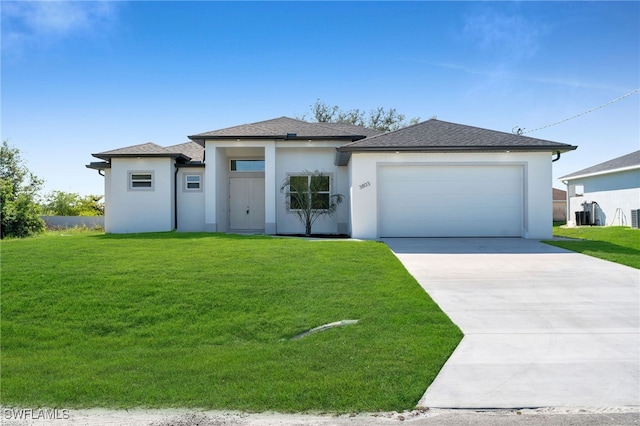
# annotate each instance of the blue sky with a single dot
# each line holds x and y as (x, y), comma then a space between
(89, 76)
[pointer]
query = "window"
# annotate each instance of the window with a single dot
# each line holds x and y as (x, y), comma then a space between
(303, 189)
(247, 165)
(141, 181)
(192, 182)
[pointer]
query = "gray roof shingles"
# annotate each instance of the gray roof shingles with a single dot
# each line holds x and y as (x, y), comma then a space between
(430, 135)
(148, 149)
(626, 161)
(281, 127)
(433, 135)
(191, 149)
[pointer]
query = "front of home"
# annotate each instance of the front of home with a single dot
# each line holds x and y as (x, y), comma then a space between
(432, 179)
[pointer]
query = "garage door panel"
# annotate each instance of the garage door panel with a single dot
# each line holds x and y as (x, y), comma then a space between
(450, 201)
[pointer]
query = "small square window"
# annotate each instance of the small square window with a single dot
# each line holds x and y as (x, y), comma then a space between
(141, 181)
(192, 182)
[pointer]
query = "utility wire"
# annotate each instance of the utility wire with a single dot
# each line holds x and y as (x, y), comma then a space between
(520, 131)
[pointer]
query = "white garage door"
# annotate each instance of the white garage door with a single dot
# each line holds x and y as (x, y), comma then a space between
(450, 201)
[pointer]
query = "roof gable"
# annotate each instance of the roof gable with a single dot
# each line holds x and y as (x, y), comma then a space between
(629, 161)
(435, 135)
(286, 128)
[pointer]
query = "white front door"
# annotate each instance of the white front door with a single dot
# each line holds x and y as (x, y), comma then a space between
(246, 203)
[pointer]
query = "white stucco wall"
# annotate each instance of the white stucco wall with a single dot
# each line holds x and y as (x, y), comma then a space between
(129, 211)
(616, 194)
(281, 157)
(190, 202)
(108, 227)
(537, 204)
(296, 160)
(218, 156)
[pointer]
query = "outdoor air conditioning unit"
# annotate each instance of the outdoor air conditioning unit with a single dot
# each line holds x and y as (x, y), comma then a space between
(635, 218)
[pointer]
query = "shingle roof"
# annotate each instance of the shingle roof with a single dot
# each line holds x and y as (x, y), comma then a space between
(192, 150)
(625, 162)
(436, 135)
(143, 150)
(287, 128)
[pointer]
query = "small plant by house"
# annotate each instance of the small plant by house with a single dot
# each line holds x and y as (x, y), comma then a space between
(308, 195)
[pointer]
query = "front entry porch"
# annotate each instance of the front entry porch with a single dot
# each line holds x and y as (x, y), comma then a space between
(241, 197)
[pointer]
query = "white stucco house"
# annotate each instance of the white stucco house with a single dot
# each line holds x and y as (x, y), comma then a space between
(432, 179)
(604, 194)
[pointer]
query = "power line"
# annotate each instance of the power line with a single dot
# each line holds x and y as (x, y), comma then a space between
(520, 130)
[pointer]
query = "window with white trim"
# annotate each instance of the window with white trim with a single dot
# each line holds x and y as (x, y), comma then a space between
(305, 188)
(192, 182)
(141, 181)
(247, 165)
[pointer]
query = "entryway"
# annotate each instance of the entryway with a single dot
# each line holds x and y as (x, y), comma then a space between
(246, 204)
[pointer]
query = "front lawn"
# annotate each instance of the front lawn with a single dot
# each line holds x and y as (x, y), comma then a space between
(615, 243)
(204, 320)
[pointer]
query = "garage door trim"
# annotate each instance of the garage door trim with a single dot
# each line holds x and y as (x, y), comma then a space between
(518, 224)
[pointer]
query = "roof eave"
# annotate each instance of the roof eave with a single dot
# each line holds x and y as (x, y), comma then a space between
(102, 165)
(194, 164)
(341, 158)
(108, 157)
(564, 148)
(201, 139)
(602, 172)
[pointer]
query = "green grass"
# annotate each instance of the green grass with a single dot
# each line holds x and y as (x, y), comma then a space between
(204, 320)
(615, 243)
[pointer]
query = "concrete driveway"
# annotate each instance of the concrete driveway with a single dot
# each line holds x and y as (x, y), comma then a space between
(544, 327)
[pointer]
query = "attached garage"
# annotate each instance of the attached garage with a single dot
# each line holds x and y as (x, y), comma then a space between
(440, 179)
(447, 200)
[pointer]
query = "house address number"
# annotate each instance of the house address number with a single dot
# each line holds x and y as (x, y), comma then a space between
(364, 185)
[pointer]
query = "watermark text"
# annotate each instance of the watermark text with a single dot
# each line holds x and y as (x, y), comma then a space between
(35, 414)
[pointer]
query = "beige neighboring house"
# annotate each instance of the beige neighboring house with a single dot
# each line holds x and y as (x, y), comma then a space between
(559, 205)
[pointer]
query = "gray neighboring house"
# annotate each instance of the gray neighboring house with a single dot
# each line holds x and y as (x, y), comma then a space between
(604, 194)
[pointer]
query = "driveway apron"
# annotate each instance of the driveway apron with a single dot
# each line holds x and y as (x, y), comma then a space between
(544, 327)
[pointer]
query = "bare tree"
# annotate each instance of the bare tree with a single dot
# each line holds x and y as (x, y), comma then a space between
(379, 118)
